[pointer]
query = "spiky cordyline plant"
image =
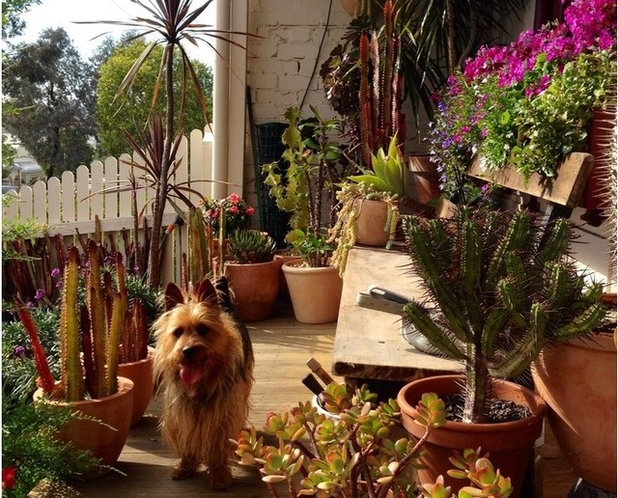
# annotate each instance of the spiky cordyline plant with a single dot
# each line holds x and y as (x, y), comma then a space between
(500, 294)
(173, 22)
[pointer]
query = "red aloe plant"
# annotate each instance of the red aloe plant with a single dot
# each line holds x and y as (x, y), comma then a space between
(40, 358)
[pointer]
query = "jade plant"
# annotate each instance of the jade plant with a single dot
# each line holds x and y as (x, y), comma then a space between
(503, 287)
(315, 168)
(251, 246)
(362, 453)
(92, 329)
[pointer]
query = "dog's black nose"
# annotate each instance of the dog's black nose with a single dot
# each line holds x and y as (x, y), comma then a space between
(188, 352)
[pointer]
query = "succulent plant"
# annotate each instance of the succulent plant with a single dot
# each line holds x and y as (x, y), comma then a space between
(356, 455)
(504, 288)
(95, 332)
(251, 246)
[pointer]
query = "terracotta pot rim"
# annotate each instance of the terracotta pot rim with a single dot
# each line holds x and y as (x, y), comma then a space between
(237, 265)
(450, 425)
(125, 386)
(138, 362)
(294, 267)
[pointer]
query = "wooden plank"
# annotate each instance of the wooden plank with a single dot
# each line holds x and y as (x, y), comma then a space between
(197, 169)
(369, 343)
(565, 189)
(82, 192)
(124, 198)
(39, 204)
(54, 204)
(97, 184)
(110, 180)
(25, 202)
(68, 196)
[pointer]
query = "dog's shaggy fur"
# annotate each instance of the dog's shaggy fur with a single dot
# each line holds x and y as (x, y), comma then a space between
(204, 367)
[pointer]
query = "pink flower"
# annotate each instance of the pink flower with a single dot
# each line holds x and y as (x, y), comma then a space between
(233, 210)
(250, 211)
(234, 198)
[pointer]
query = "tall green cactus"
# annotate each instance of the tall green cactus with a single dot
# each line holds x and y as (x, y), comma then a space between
(501, 294)
(71, 379)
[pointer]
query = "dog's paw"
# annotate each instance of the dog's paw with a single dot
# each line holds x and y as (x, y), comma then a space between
(221, 477)
(180, 472)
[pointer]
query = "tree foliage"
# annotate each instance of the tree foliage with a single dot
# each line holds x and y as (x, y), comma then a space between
(50, 91)
(12, 24)
(129, 112)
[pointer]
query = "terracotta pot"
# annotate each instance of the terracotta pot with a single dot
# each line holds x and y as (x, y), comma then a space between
(284, 293)
(254, 288)
(104, 440)
(349, 6)
(371, 223)
(140, 372)
(315, 292)
(425, 179)
(578, 381)
(510, 444)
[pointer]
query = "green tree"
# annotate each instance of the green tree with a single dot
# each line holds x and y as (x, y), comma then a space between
(129, 112)
(51, 90)
(8, 156)
(12, 24)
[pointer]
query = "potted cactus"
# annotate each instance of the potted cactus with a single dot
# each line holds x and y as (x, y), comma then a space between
(502, 288)
(253, 274)
(362, 453)
(90, 336)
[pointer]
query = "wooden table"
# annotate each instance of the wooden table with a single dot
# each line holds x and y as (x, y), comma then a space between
(369, 344)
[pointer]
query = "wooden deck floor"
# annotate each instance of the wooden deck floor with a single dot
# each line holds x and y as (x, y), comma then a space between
(282, 346)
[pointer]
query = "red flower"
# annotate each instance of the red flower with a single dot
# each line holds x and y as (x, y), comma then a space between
(233, 210)
(250, 211)
(8, 477)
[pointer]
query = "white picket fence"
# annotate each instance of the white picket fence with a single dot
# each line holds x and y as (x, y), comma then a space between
(71, 203)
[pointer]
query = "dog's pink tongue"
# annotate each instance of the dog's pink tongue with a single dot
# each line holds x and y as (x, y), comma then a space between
(190, 374)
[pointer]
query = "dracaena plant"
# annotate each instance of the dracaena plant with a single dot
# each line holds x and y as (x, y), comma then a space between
(503, 287)
(173, 22)
(359, 454)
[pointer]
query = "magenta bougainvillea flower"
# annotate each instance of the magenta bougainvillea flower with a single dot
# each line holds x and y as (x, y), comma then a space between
(501, 102)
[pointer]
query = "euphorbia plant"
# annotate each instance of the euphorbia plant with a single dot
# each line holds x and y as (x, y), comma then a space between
(92, 329)
(503, 287)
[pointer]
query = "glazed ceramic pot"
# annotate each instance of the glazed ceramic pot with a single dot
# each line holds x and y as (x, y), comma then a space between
(372, 227)
(578, 381)
(104, 440)
(140, 372)
(315, 292)
(510, 444)
(254, 288)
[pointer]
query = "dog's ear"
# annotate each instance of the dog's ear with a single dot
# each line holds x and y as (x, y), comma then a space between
(173, 296)
(204, 290)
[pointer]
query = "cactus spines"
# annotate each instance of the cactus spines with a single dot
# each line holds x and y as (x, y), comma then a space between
(504, 289)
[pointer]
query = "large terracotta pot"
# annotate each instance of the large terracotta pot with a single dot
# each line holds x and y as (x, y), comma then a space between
(510, 444)
(104, 440)
(254, 289)
(371, 223)
(140, 372)
(425, 179)
(578, 381)
(315, 292)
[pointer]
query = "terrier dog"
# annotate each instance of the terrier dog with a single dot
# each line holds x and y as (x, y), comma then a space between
(204, 367)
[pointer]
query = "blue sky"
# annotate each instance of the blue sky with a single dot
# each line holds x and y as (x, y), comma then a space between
(56, 13)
